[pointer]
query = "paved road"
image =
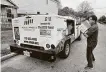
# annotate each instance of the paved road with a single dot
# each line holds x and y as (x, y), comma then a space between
(74, 63)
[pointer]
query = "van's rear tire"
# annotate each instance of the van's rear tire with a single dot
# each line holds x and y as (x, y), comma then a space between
(66, 51)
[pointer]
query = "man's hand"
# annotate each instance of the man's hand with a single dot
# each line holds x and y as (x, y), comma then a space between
(85, 35)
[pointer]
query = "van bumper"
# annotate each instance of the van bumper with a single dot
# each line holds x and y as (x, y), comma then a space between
(40, 54)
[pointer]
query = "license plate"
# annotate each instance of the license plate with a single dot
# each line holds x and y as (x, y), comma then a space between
(26, 53)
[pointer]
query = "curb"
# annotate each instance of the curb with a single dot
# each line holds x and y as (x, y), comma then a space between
(8, 56)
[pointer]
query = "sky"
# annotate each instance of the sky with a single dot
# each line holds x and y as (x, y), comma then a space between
(98, 5)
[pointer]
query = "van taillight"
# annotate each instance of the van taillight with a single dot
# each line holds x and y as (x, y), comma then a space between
(16, 33)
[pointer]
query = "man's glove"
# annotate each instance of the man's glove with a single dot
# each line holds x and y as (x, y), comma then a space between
(85, 34)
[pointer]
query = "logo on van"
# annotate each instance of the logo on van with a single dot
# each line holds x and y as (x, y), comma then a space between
(28, 21)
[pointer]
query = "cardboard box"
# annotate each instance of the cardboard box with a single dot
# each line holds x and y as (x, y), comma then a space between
(85, 26)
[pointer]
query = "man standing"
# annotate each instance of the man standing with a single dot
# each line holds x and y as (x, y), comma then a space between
(92, 39)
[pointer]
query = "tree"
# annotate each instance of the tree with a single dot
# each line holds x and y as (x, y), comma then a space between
(66, 11)
(84, 9)
(102, 19)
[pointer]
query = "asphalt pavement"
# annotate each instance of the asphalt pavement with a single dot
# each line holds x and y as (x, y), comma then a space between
(74, 63)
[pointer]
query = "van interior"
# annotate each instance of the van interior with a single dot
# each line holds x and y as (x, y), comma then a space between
(70, 26)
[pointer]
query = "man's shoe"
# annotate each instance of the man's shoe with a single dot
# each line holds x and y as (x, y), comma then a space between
(88, 67)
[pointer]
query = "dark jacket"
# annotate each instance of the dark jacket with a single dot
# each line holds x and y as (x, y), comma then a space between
(92, 36)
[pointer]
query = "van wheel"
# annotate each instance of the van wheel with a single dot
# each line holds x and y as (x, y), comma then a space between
(66, 51)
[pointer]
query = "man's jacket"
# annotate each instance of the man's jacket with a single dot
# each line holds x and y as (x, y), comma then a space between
(92, 36)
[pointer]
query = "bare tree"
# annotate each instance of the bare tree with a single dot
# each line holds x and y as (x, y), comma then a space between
(84, 9)
(84, 6)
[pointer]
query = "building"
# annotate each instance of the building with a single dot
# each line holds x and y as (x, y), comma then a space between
(32, 7)
(8, 11)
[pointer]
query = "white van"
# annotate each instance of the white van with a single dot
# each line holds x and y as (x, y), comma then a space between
(44, 36)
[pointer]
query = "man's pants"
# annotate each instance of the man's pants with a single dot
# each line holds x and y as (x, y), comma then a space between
(90, 56)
